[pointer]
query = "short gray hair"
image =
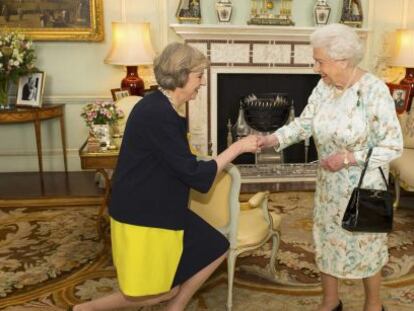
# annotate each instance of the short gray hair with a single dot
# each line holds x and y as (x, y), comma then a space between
(174, 64)
(339, 41)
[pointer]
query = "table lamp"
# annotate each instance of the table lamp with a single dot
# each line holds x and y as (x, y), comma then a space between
(131, 46)
(404, 54)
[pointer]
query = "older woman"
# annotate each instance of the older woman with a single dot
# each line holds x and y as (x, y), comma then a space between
(349, 111)
(162, 250)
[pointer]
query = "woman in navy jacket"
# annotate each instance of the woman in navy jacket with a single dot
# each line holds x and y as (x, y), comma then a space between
(161, 249)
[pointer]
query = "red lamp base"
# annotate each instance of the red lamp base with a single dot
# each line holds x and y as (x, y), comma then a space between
(409, 77)
(133, 81)
(409, 80)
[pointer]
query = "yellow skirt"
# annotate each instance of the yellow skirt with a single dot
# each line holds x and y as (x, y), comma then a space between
(145, 258)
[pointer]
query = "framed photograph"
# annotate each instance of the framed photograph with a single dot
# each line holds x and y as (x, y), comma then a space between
(117, 94)
(30, 90)
(63, 20)
(189, 11)
(401, 95)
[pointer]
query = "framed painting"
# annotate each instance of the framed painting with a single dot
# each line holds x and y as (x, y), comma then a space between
(54, 20)
(30, 89)
(401, 95)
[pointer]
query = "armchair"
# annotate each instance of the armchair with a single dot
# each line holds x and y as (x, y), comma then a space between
(246, 229)
(126, 104)
(402, 169)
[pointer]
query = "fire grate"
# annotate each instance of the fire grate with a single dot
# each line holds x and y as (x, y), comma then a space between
(281, 172)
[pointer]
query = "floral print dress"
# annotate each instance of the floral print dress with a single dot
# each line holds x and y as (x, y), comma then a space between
(363, 116)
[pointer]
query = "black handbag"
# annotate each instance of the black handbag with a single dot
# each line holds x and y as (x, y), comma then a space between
(369, 210)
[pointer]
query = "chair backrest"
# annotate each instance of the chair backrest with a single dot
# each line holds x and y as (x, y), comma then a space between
(220, 206)
(126, 104)
(407, 126)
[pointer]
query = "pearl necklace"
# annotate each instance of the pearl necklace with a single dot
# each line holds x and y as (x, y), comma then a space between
(339, 92)
(170, 99)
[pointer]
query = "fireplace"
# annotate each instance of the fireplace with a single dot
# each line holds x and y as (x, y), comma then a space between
(232, 87)
(262, 59)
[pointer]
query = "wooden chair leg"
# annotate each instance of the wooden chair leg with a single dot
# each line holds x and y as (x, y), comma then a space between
(231, 266)
(275, 247)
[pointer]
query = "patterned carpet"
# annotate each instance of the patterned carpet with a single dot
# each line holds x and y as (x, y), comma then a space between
(52, 257)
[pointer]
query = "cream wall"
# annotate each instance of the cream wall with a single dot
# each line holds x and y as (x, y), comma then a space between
(77, 75)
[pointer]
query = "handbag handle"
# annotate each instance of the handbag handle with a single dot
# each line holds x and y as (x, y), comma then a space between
(365, 169)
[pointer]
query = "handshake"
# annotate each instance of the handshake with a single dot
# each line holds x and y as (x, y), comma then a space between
(254, 143)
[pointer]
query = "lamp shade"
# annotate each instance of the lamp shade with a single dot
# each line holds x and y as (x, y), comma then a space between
(131, 45)
(404, 49)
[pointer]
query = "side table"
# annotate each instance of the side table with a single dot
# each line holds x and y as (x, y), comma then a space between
(37, 115)
(100, 161)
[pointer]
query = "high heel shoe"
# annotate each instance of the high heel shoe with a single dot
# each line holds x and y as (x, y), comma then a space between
(338, 307)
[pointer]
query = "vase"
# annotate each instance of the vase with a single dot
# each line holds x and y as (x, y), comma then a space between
(224, 9)
(4, 94)
(321, 11)
(102, 134)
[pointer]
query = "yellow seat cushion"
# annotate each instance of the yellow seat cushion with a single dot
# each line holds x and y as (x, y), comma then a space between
(402, 166)
(253, 227)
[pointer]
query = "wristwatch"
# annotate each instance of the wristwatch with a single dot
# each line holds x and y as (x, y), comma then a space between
(346, 160)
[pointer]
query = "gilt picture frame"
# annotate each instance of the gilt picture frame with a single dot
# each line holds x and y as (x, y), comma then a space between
(30, 89)
(401, 95)
(63, 20)
(119, 93)
(189, 12)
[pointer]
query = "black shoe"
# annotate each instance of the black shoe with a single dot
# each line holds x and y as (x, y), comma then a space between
(338, 307)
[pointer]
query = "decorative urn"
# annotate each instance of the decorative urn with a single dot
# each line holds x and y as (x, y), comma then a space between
(224, 8)
(322, 10)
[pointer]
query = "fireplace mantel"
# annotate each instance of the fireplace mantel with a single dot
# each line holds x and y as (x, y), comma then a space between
(242, 49)
(247, 32)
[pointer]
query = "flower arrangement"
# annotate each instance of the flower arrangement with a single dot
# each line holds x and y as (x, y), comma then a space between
(101, 112)
(17, 58)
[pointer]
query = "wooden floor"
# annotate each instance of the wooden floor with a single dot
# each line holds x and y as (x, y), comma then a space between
(74, 189)
(56, 188)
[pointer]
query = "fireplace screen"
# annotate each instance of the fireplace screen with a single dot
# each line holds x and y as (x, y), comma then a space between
(261, 103)
(261, 114)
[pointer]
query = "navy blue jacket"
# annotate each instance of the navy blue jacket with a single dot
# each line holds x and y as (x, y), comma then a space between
(156, 168)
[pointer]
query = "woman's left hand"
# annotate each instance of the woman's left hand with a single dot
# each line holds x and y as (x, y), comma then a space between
(334, 162)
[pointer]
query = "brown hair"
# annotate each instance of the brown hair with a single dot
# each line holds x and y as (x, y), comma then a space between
(174, 64)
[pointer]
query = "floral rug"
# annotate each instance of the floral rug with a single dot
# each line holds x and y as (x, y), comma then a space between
(296, 266)
(52, 257)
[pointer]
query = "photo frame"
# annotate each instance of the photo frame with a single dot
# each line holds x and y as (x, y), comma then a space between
(119, 93)
(30, 89)
(189, 11)
(352, 14)
(64, 20)
(401, 95)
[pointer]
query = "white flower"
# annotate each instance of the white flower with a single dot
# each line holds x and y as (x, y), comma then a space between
(16, 55)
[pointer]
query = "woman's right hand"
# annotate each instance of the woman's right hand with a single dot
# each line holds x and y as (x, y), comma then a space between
(248, 144)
